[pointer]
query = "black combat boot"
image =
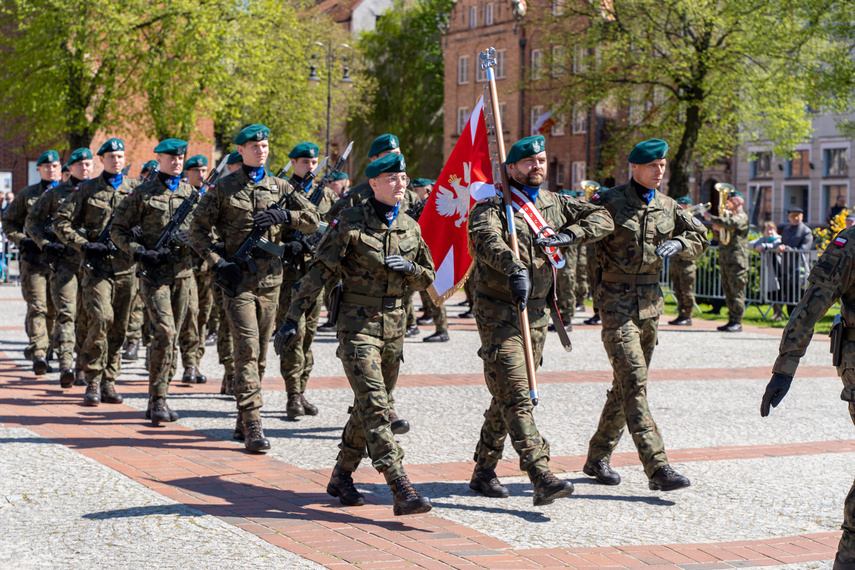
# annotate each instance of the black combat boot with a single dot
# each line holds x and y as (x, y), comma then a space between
(79, 377)
(424, 320)
(200, 378)
(109, 394)
(730, 327)
(189, 376)
(40, 366)
(406, 500)
(66, 378)
(437, 337)
(159, 412)
(666, 479)
(841, 564)
(548, 487)
(399, 426)
(341, 486)
(310, 409)
(238, 435)
(132, 351)
(681, 322)
(466, 315)
(173, 417)
(602, 471)
(294, 408)
(485, 482)
(92, 397)
(326, 327)
(254, 439)
(595, 320)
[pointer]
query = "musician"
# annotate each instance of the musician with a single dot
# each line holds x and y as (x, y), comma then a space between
(732, 258)
(109, 283)
(168, 281)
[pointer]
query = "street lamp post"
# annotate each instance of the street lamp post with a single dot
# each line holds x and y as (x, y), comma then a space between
(329, 53)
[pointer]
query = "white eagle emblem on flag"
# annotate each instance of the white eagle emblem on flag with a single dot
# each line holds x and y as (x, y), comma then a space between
(455, 201)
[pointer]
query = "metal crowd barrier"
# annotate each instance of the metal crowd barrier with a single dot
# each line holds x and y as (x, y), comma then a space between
(773, 278)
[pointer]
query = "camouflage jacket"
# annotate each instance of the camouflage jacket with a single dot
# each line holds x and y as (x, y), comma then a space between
(228, 210)
(495, 261)
(628, 251)
(151, 207)
(356, 245)
(44, 212)
(81, 221)
(353, 197)
(736, 250)
(15, 215)
(830, 280)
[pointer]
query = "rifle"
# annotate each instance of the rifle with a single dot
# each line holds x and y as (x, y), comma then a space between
(500, 178)
(244, 252)
(50, 260)
(103, 237)
(416, 211)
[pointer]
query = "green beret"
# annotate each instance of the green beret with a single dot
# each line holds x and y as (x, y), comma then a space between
(256, 132)
(525, 148)
(234, 157)
(48, 156)
(175, 147)
(390, 163)
(737, 193)
(78, 155)
(305, 150)
(111, 145)
(422, 182)
(196, 161)
(383, 142)
(339, 176)
(685, 200)
(648, 151)
(65, 167)
(148, 166)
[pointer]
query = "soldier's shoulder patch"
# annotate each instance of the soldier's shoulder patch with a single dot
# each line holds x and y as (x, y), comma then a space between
(334, 223)
(840, 241)
(696, 221)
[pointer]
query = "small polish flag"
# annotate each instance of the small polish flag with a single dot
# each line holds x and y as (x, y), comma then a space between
(839, 241)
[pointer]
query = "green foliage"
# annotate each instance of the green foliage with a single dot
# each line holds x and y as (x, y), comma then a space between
(401, 91)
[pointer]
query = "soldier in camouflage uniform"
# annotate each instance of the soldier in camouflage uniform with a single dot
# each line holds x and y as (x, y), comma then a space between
(239, 203)
(109, 282)
(503, 286)
(166, 282)
(581, 277)
(832, 279)
(66, 261)
(733, 259)
(380, 256)
(565, 282)
(134, 336)
(648, 227)
(683, 273)
(35, 275)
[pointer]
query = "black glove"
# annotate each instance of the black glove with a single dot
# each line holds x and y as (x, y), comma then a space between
(29, 245)
(398, 263)
(292, 250)
(272, 217)
(520, 286)
(136, 232)
(556, 240)
(183, 236)
(776, 389)
(96, 250)
(54, 249)
(284, 336)
(150, 258)
(668, 248)
(111, 247)
(228, 271)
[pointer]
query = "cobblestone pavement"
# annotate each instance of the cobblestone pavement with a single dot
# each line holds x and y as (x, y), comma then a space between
(100, 487)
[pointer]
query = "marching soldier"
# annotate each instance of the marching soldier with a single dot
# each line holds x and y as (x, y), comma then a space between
(832, 279)
(35, 275)
(381, 257)
(648, 227)
(733, 259)
(65, 261)
(237, 205)
(683, 272)
(66, 173)
(381, 146)
(503, 286)
(108, 280)
(166, 273)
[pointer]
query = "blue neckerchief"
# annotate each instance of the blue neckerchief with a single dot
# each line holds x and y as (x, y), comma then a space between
(202, 189)
(309, 187)
(256, 174)
(172, 183)
(648, 196)
(531, 192)
(115, 180)
(392, 214)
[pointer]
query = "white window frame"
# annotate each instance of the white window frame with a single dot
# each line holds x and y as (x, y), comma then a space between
(33, 176)
(536, 64)
(463, 70)
(811, 210)
(557, 7)
(823, 184)
(560, 176)
(843, 147)
(579, 64)
(481, 74)
(473, 17)
(462, 116)
(578, 169)
(559, 61)
(580, 120)
(501, 72)
(560, 126)
(488, 14)
(534, 113)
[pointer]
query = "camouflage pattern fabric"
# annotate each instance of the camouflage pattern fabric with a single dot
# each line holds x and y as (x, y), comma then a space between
(566, 285)
(591, 270)
(354, 196)
(166, 304)
(436, 312)
(188, 338)
(581, 272)
(135, 322)
(225, 344)
(683, 284)
(733, 262)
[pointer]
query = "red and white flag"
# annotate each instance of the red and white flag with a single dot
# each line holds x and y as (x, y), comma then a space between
(466, 178)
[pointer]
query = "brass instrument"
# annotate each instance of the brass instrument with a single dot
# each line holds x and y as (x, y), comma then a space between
(724, 191)
(699, 206)
(590, 187)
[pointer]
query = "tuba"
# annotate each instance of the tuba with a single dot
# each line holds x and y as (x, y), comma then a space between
(724, 191)
(590, 187)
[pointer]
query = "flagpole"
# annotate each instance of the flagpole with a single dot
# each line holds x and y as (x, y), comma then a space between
(488, 63)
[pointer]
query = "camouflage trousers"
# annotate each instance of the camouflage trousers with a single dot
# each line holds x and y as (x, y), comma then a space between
(436, 312)
(409, 308)
(63, 291)
(734, 277)
(510, 411)
(591, 257)
(581, 273)
(565, 284)
(629, 343)
(188, 338)
(225, 345)
(137, 319)
(167, 308)
(683, 284)
(205, 291)
(35, 286)
(107, 301)
(371, 365)
(296, 363)
(846, 547)
(251, 314)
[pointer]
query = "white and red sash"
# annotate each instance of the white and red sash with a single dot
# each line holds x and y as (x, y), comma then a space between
(522, 203)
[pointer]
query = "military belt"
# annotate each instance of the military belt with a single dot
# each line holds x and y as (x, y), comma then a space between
(631, 278)
(385, 303)
(270, 247)
(535, 304)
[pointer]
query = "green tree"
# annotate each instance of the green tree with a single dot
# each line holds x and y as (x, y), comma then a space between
(402, 91)
(705, 75)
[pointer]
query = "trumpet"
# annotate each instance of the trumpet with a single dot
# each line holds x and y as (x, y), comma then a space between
(700, 207)
(724, 191)
(590, 187)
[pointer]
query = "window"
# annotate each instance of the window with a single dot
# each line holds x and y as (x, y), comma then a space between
(33, 175)
(557, 7)
(761, 166)
(463, 69)
(536, 64)
(799, 166)
(503, 115)
(500, 64)
(488, 15)
(536, 112)
(580, 120)
(830, 192)
(559, 176)
(835, 162)
(579, 63)
(481, 74)
(6, 182)
(577, 172)
(560, 122)
(558, 65)
(759, 204)
(473, 17)
(462, 117)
